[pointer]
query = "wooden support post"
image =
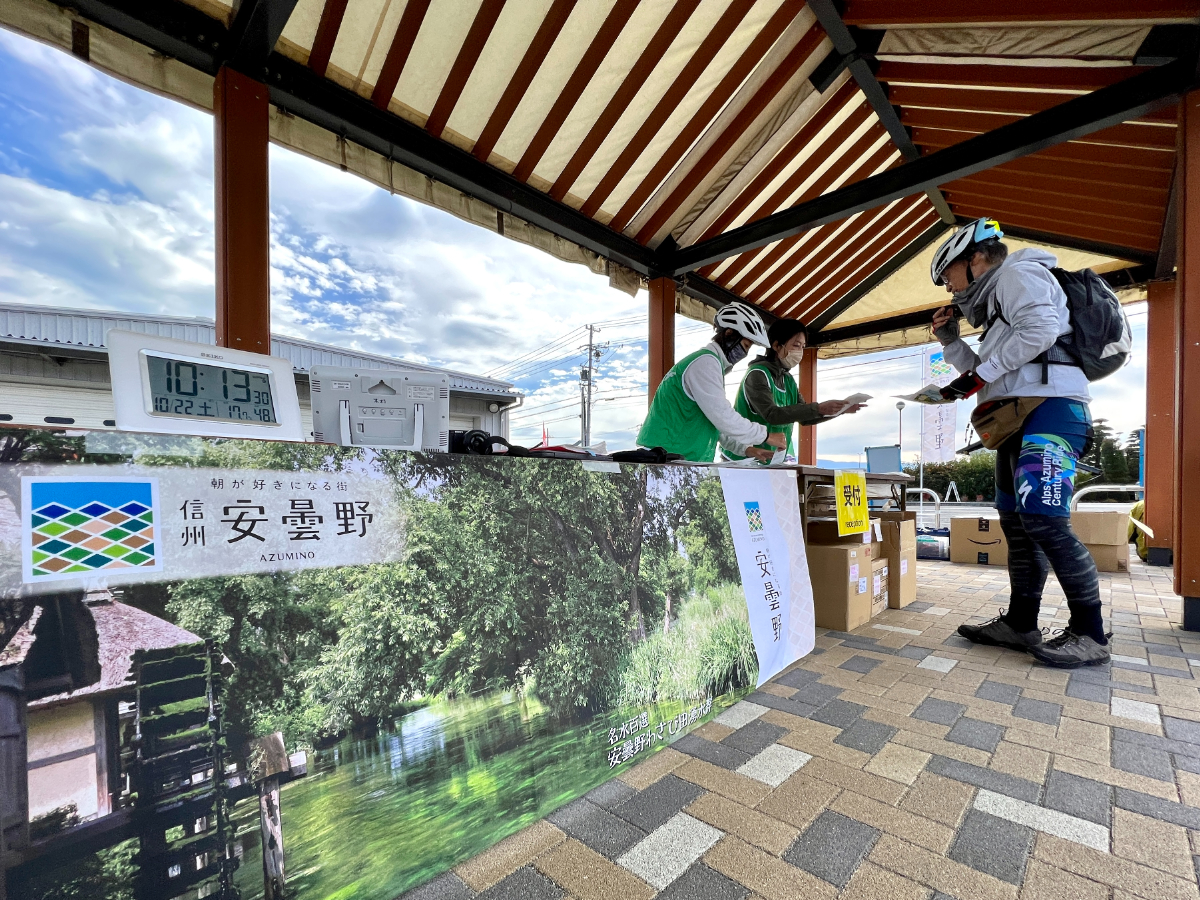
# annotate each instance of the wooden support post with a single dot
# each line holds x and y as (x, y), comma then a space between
(662, 332)
(1160, 421)
(243, 226)
(806, 443)
(14, 777)
(272, 838)
(1187, 366)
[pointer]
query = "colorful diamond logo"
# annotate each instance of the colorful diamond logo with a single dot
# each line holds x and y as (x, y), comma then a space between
(75, 528)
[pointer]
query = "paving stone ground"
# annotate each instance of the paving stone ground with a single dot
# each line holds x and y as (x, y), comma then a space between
(898, 762)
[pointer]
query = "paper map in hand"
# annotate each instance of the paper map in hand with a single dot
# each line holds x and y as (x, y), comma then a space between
(931, 395)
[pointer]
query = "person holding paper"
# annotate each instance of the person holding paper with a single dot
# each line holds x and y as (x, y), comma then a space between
(770, 395)
(690, 413)
(1022, 308)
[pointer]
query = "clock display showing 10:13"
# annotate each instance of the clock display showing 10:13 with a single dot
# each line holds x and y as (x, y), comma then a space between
(201, 391)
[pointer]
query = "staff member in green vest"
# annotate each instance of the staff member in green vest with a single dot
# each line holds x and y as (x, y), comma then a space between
(691, 414)
(769, 393)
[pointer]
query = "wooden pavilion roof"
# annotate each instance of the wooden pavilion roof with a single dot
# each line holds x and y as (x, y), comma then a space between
(788, 154)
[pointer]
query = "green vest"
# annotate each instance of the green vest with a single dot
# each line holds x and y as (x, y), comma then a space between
(675, 421)
(787, 397)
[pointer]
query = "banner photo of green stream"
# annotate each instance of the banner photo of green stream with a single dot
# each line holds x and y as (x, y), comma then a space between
(523, 631)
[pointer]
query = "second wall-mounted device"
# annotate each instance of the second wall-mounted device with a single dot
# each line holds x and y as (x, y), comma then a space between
(391, 409)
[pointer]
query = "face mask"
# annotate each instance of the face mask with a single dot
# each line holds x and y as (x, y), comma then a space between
(736, 353)
(792, 359)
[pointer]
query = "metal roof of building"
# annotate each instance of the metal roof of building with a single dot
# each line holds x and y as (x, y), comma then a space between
(33, 324)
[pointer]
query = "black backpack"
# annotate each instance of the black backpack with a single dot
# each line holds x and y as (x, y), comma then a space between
(1100, 341)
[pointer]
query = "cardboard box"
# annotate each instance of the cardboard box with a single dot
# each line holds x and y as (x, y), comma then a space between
(824, 531)
(1101, 527)
(1110, 557)
(879, 586)
(902, 579)
(899, 535)
(978, 541)
(841, 576)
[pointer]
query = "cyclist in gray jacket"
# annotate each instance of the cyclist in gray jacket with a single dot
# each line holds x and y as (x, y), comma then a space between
(1018, 302)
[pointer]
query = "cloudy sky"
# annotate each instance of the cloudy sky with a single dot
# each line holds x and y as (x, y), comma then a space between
(106, 202)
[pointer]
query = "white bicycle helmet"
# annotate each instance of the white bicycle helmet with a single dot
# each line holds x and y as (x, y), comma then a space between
(744, 320)
(962, 243)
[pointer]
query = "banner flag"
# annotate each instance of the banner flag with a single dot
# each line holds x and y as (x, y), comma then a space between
(939, 422)
(768, 538)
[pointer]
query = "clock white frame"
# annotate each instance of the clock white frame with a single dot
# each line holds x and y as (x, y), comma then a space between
(132, 396)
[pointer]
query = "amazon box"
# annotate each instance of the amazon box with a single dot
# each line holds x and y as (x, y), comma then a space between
(1110, 557)
(1103, 528)
(842, 580)
(978, 541)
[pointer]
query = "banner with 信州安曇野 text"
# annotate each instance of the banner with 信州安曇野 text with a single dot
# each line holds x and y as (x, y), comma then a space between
(122, 523)
(850, 495)
(768, 539)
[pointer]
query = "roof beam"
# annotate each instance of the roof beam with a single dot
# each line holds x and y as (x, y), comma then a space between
(653, 124)
(535, 55)
(1108, 106)
(327, 31)
(296, 89)
(255, 30)
(712, 294)
(673, 205)
(709, 109)
(1127, 134)
(1060, 78)
(650, 57)
(1168, 247)
(887, 13)
(1118, 279)
(397, 55)
(984, 99)
(881, 274)
(464, 65)
(846, 44)
(865, 163)
(614, 23)
(1087, 245)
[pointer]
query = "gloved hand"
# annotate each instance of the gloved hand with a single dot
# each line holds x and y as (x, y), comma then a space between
(963, 387)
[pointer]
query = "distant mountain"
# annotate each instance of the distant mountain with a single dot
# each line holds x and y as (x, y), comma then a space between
(838, 464)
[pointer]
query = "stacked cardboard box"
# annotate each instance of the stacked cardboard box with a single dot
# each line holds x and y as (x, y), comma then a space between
(900, 551)
(842, 578)
(978, 541)
(1106, 536)
(879, 586)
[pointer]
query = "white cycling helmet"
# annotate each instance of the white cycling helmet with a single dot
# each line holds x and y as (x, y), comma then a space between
(961, 244)
(744, 320)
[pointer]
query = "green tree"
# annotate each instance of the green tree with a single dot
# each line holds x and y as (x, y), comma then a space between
(1113, 463)
(974, 475)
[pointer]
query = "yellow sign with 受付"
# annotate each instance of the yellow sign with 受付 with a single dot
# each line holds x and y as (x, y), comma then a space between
(850, 492)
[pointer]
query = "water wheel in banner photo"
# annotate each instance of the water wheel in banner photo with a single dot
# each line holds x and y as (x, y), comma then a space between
(177, 772)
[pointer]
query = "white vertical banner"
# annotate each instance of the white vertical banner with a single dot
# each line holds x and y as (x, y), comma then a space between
(768, 538)
(939, 422)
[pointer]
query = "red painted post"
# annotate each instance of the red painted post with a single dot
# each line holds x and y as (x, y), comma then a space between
(1187, 366)
(241, 109)
(662, 332)
(806, 444)
(1160, 421)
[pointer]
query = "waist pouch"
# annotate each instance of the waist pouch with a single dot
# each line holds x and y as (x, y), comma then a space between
(997, 420)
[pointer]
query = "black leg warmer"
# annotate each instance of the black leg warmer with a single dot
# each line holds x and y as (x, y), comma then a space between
(1027, 571)
(1073, 566)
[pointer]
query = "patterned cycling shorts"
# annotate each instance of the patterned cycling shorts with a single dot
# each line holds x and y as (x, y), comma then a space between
(1035, 469)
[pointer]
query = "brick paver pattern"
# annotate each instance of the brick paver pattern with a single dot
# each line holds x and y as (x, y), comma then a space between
(900, 761)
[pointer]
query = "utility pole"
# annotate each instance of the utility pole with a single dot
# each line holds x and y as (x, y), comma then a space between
(587, 376)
